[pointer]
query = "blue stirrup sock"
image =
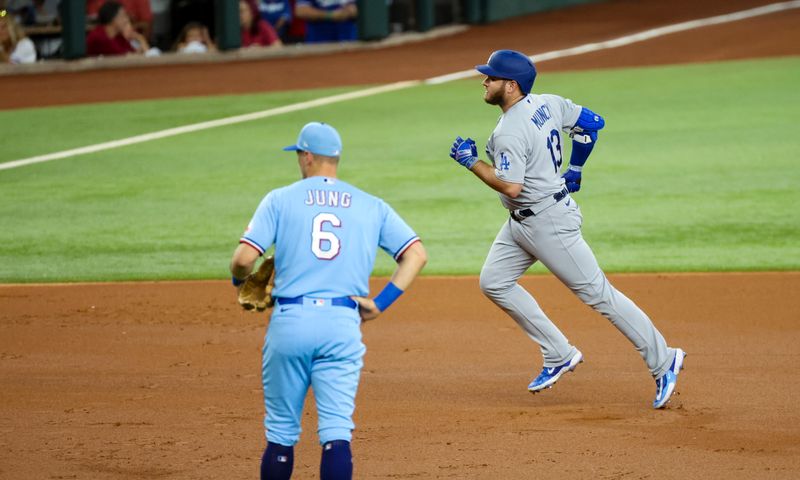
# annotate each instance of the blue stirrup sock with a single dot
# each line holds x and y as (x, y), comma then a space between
(277, 462)
(337, 461)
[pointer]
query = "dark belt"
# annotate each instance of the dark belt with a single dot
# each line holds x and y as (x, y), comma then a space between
(336, 302)
(520, 215)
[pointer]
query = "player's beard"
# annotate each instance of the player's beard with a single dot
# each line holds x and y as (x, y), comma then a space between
(495, 98)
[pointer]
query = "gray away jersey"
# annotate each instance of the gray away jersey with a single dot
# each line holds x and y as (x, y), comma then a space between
(526, 147)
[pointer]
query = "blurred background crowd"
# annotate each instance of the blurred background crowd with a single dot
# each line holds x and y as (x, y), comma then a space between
(30, 29)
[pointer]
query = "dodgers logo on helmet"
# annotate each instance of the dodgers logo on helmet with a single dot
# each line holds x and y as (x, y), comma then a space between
(511, 65)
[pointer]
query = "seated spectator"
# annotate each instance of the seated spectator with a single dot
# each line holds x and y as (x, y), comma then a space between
(277, 13)
(139, 12)
(15, 47)
(328, 20)
(181, 12)
(22, 11)
(255, 31)
(45, 12)
(194, 38)
(115, 34)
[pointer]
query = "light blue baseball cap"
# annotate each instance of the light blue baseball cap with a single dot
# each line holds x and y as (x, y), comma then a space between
(318, 138)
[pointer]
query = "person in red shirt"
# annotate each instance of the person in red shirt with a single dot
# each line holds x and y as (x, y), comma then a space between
(256, 31)
(139, 11)
(115, 34)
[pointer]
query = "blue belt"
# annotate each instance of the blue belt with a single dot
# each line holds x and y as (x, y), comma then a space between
(519, 215)
(335, 302)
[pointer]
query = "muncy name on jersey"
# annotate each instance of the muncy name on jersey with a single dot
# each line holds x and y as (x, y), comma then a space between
(540, 116)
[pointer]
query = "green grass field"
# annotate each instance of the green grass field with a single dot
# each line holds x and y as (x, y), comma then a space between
(695, 171)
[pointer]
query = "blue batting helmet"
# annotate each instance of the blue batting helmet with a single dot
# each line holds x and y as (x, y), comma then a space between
(511, 65)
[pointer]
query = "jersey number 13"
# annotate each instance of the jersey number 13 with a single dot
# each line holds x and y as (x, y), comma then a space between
(554, 145)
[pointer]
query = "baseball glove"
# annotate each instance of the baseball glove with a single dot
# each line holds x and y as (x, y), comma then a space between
(256, 291)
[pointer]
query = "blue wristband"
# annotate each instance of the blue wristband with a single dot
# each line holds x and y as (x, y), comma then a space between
(235, 281)
(388, 295)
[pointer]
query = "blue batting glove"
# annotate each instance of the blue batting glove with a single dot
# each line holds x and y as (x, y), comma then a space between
(454, 147)
(572, 178)
(465, 152)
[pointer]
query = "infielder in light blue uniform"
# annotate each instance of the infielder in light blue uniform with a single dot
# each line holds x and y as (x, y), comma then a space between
(545, 221)
(326, 233)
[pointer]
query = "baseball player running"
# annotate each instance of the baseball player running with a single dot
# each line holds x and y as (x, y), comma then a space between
(326, 233)
(545, 221)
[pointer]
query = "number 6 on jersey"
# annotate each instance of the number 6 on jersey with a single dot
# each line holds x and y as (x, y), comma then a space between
(320, 238)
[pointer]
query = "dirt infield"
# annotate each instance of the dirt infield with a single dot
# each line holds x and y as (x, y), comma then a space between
(162, 380)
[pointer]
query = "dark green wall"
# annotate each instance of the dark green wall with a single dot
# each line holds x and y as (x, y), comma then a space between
(73, 28)
(373, 19)
(486, 11)
(373, 15)
(226, 15)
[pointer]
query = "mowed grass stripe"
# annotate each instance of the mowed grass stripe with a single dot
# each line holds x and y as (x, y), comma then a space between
(54, 129)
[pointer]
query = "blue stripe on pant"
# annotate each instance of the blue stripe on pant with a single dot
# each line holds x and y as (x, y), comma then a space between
(312, 346)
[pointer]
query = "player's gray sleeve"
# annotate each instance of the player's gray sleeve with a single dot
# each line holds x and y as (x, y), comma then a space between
(510, 158)
(568, 109)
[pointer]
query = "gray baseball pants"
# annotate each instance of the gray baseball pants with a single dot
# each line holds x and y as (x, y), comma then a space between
(553, 236)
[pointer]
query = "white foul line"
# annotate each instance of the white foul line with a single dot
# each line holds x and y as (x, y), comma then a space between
(635, 37)
(196, 127)
(541, 57)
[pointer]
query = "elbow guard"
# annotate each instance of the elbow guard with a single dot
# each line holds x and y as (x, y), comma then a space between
(590, 121)
(584, 136)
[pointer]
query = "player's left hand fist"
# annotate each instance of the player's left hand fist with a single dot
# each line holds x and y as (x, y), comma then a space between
(572, 178)
(465, 152)
(367, 308)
